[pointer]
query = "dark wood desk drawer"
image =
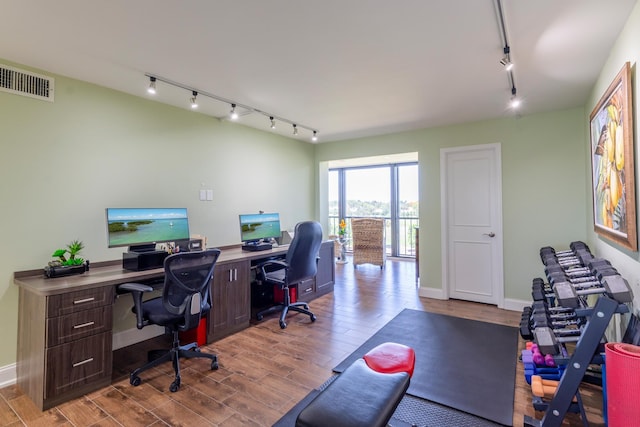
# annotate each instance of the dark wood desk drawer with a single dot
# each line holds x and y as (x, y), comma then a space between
(59, 305)
(77, 363)
(306, 289)
(79, 325)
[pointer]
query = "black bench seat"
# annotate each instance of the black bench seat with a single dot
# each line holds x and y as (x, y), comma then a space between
(358, 397)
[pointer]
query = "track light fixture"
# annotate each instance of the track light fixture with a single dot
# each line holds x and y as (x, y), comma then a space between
(194, 101)
(314, 138)
(506, 59)
(233, 114)
(152, 86)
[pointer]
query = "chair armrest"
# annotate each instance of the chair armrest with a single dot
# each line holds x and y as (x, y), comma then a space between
(271, 263)
(131, 287)
(136, 290)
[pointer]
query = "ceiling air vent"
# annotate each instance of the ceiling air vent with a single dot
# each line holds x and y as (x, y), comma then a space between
(26, 83)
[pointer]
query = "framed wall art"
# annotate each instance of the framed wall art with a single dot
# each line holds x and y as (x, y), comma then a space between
(613, 178)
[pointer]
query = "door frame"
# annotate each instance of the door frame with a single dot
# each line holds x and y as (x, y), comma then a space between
(498, 285)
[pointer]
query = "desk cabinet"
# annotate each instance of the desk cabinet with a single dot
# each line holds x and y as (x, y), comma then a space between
(64, 344)
(65, 324)
(231, 295)
(325, 277)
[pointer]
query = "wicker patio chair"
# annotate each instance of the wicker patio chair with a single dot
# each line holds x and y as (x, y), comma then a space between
(369, 242)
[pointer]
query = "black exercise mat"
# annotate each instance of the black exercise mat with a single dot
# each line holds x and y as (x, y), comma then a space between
(411, 412)
(464, 364)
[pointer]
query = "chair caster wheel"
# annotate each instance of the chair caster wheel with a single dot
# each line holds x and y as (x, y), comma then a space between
(175, 386)
(282, 325)
(313, 317)
(214, 365)
(259, 317)
(135, 381)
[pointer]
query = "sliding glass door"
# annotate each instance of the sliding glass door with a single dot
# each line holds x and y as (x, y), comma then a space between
(382, 191)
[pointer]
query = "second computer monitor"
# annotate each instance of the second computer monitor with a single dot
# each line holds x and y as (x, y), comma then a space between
(256, 227)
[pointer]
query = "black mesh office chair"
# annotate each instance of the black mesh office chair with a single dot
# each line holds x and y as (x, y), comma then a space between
(300, 264)
(185, 298)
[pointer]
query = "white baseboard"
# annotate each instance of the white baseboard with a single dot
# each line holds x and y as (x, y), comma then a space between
(8, 375)
(508, 304)
(434, 293)
(515, 304)
(134, 335)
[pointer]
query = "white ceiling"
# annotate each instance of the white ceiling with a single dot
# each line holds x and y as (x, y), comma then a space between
(348, 68)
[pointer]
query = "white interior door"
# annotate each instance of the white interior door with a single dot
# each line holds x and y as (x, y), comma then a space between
(471, 188)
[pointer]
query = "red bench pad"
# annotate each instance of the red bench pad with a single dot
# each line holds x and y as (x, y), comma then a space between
(389, 358)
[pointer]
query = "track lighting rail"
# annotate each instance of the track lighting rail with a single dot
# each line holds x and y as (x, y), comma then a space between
(246, 109)
(506, 59)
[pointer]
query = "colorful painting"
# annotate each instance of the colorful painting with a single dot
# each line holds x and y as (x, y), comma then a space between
(614, 206)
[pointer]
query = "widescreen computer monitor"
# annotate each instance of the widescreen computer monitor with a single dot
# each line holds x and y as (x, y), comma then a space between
(256, 227)
(142, 228)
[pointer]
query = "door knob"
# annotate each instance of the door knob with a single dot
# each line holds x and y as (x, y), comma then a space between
(490, 234)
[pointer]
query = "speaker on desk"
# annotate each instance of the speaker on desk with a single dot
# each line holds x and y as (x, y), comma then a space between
(189, 245)
(195, 245)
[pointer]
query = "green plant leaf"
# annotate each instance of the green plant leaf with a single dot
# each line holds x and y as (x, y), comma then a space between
(59, 253)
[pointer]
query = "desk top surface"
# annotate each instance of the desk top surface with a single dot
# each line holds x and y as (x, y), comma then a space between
(111, 273)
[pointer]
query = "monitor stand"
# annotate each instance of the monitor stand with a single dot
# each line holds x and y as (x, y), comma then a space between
(256, 246)
(149, 247)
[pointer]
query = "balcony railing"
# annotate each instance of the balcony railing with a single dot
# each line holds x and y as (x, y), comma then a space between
(406, 234)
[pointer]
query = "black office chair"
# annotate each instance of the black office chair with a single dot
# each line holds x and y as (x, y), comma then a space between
(300, 264)
(185, 298)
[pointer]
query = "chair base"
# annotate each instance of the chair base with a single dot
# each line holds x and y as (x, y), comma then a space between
(158, 357)
(300, 307)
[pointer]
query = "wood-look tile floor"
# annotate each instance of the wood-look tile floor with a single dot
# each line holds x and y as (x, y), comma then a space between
(264, 370)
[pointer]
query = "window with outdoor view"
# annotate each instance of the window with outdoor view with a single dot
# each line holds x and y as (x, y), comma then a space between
(383, 191)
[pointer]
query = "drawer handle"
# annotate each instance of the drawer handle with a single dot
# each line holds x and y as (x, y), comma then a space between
(89, 360)
(84, 325)
(82, 301)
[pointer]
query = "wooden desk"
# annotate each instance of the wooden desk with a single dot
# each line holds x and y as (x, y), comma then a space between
(65, 324)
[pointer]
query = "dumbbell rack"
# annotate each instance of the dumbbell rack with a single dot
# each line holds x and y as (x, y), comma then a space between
(585, 351)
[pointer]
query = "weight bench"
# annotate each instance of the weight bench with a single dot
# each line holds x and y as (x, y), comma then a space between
(367, 393)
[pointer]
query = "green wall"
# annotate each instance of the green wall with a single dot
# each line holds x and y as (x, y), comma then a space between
(626, 49)
(64, 162)
(543, 168)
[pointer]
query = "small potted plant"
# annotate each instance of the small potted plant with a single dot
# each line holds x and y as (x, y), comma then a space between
(64, 266)
(342, 229)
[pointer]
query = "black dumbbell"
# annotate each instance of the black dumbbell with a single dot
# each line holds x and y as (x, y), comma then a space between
(576, 272)
(541, 291)
(539, 306)
(579, 255)
(579, 245)
(614, 286)
(549, 342)
(545, 320)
